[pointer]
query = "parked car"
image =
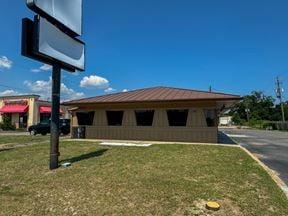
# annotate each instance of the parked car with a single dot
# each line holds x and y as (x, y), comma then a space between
(44, 127)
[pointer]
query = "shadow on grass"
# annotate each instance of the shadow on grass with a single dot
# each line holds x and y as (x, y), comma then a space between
(224, 139)
(97, 153)
(5, 149)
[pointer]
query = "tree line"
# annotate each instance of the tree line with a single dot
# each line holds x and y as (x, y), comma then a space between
(256, 108)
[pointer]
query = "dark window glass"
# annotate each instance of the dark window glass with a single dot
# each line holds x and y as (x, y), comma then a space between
(177, 117)
(23, 118)
(85, 118)
(45, 117)
(210, 118)
(144, 117)
(114, 118)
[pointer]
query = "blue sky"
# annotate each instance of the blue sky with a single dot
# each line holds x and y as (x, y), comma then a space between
(234, 46)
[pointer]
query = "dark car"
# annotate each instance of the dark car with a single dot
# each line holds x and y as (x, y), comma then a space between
(44, 127)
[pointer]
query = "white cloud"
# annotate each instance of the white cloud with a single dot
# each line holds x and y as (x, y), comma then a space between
(39, 85)
(108, 90)
(9, 92)
(70, 93)
(94, 81)
(43, 88)
(44, 67)
(36, 70)
(5, 63)
(125, 90)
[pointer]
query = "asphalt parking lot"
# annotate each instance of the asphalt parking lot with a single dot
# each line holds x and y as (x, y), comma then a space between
(271, 147)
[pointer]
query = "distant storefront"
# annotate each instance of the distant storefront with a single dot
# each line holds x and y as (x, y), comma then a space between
(225, 120)
(25, 110)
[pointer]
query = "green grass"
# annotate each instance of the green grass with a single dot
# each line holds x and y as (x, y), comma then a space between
(22, 139)
(159, 180)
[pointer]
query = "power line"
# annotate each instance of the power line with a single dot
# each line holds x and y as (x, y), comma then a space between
(13, 88)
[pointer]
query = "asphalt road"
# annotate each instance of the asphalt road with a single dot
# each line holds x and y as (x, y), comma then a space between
(271, 147)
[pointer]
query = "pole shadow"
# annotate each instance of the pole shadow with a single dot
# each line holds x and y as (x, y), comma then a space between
(224, 139)
(5, 149)
(97, 153)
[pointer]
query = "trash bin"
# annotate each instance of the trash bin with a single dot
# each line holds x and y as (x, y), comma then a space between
(78, 132)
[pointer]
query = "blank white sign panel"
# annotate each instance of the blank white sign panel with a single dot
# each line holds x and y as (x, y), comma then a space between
(66, 12)
(60, 46)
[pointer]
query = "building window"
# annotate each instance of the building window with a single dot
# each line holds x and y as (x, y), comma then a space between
(177, 117)
(210, 117)
(85, 118)
(45, 117)
(144, 117)
(23, 117)
(114, 118)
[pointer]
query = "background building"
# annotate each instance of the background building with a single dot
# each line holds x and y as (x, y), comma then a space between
(225, 120)
(25, 110)
(156, 114)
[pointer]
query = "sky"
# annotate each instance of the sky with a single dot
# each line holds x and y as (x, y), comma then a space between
(234, 46)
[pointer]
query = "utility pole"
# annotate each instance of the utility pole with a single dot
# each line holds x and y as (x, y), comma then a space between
(210, 88)
(279, 95)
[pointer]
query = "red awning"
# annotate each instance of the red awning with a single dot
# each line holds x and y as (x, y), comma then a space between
(47, 109)
(14, 109)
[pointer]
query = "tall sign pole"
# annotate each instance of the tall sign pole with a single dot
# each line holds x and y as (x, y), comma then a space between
(54, 139)
(52, 38)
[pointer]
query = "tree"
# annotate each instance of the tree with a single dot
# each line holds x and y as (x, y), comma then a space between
(254, 107)
(277, 115)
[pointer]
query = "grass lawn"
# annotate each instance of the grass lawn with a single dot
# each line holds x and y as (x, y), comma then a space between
(158, 180)
(8, 139)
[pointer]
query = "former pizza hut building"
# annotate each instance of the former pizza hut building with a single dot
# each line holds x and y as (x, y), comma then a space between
(155, 114)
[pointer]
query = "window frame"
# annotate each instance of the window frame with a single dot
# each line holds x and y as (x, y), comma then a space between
(107, 118)
(214, 120)
(177, 124)
(144, 111)
(88, 113)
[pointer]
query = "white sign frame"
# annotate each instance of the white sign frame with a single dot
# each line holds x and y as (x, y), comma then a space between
(54, 44)
(66, 14)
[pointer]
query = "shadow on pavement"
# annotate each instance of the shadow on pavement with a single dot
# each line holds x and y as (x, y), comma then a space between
(224, 139)
(97, 153)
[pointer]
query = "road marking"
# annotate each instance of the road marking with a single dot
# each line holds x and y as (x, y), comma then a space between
(239, 136)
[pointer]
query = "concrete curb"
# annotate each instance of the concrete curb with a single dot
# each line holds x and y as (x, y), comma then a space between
(271, 172)
(274, 175)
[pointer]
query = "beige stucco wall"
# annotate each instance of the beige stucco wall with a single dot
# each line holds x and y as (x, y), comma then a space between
(195, 131)
(33, 112)
(176, 134)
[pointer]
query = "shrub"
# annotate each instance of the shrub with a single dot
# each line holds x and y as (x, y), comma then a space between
(7, 125)
(268, 125)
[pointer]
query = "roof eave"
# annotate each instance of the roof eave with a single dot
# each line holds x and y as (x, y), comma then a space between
(153, 101)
